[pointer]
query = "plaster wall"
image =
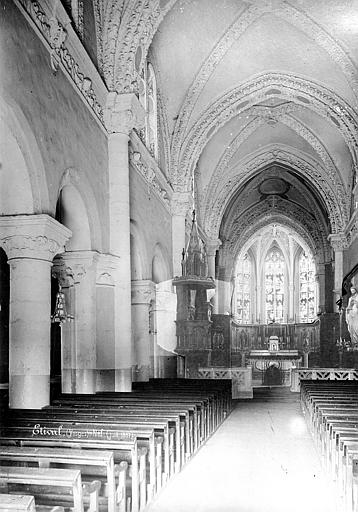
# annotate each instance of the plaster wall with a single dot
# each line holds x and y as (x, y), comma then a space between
(153, 219)
(66, 133)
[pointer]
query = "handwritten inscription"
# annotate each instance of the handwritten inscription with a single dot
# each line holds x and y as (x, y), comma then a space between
(64, 432)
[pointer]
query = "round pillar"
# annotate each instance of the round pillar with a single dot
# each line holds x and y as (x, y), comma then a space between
(76, 270)
(123, 112)
(142, 294)
(30, 243)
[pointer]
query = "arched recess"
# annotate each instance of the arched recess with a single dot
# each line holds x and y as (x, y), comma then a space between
(4, 326)
(160, 265)
(72, 213)
(77, 205)
(23, 186)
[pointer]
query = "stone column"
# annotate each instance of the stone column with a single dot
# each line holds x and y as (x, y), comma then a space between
(212, 245)
(30, 242)
(165, 341)
(142, 294)
(339, 244)
(181, 202)
(321, 278)
(223, 281)
(107, 266)
(123, 112)
(76, 271)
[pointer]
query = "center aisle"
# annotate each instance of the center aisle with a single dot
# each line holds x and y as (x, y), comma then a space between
(262, 459)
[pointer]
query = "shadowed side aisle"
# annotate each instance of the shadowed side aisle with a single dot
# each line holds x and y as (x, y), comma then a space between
(261, 459)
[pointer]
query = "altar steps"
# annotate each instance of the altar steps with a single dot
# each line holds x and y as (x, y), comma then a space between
(275, 394)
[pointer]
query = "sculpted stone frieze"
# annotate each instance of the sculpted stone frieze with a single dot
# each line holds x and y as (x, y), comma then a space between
(55, 35)
(129, 30)
(320, 100)
(304, 165)
(150, 176)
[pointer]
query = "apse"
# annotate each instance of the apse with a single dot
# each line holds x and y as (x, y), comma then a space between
(275, 278)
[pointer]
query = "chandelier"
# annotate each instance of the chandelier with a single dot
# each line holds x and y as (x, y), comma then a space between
(60, 314)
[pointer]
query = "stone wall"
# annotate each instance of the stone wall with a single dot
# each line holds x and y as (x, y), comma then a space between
(67, 134)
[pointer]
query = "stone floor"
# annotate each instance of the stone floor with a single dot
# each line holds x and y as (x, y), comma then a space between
(262, 459)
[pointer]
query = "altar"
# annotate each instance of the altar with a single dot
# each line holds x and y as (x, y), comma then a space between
(273, 367)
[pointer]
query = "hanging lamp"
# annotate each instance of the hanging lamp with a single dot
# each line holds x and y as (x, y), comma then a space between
(60, 314)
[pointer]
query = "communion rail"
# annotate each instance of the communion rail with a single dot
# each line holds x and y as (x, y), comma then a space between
(339, 374)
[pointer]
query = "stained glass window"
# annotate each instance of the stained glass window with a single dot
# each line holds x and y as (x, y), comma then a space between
(148, 98)
(274, 286)
(307, 271)
(243, 290)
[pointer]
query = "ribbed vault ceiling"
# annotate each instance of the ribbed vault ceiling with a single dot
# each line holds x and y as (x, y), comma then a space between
(238, 79)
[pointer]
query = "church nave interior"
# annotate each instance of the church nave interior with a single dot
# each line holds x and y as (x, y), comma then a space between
(178, 254)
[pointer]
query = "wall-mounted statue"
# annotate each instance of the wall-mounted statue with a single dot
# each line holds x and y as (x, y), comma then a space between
(352, 315)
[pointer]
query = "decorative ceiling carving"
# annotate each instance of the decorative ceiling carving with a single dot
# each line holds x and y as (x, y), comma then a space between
(321, 100)
(301, 164)
(329, 170)
(244, 20)
(279, 211)
(129, 30)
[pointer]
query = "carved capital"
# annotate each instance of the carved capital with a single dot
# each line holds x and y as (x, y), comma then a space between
(181, 203)
(122, 113)
(212, 245)
(32, 236)
(107, 267)
(71, 267)
(338, 241)
(142, 291)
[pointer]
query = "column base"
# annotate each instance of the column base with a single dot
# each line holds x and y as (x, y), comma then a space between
(29, 391)
(79, 381)
(123, 380)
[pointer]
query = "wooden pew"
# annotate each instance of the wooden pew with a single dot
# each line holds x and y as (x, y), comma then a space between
(188, 415)
(200, 420)
(123, 451)
(48, 481)
(331, 412)
(202, 405)
(180, 422)
(150, 434)
(93, 463)
(17, 503)
(23, 503)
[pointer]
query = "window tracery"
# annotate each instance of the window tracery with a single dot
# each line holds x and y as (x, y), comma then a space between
(307, 284)
(243, 290)
(274, 286)
(148, 99)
